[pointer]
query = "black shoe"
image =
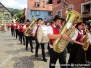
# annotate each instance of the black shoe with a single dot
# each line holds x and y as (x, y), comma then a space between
(44, 59)
(32, 51)
(26, 49)
(23, 43)
(36, 55)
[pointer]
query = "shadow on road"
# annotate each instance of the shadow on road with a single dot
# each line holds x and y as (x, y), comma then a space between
(26, 61)
(23, 62)
(15, 51)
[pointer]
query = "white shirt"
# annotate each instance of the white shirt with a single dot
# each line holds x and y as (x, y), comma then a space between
(24, 26)
(89, 37)
(14, 24)
(35, 28)
(50, 31)
(18, 26)
(76, 34)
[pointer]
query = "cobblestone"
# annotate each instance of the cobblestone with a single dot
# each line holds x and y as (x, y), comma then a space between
(13, 54)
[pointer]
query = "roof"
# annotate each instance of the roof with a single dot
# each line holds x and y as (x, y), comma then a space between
(31, 6)
(5, 7)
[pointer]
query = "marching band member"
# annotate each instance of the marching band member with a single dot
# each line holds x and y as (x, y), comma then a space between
(88, 52)
(39, 22)
(53, 34)
(29, 39)
(77, 54)
(12, 29)
(21, 30)
(17, 29)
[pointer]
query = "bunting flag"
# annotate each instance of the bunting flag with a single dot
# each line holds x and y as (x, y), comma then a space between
(24, 11)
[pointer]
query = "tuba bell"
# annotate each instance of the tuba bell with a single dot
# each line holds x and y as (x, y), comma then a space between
(60, 44)
(28, 31)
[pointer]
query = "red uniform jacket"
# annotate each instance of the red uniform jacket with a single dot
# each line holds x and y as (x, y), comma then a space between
(79, 37)
(21, 29)
(55, 31)
(12, 26)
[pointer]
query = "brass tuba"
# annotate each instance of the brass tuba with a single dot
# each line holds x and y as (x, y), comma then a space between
(28, 30)
(60, 44)
(86, 41)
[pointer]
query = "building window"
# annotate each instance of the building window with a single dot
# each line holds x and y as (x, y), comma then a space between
(6, 15)
(1, 15)
(37, 4)
(70, 7)
(37, 13)
(49, 13)
(59, 13)
(86, 8)
(1, 9)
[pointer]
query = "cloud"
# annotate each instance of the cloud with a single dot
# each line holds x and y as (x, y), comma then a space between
(13, 4)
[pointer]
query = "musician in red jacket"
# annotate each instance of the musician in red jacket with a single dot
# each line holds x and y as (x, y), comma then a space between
(12, 29)
(17, 29)
(53, 34)
(29, 38)
(21, 31)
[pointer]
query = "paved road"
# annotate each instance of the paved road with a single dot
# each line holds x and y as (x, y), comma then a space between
(13, 54)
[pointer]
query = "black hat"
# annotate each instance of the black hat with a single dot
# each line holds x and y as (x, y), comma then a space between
(56, 17)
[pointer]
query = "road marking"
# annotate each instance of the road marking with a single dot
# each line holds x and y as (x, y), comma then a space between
(8, 58)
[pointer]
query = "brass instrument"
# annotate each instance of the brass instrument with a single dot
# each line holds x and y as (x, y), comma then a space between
(72, 17)
(30, 28)
(85, 41)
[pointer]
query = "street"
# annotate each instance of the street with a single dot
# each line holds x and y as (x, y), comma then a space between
(13, 54)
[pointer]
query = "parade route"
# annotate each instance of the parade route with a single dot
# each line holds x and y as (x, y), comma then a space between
(14, 55)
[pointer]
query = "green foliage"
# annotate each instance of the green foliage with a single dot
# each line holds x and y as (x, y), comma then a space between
(18, 14)
(14, 11)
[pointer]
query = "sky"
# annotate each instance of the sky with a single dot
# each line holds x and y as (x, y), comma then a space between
(17, 4)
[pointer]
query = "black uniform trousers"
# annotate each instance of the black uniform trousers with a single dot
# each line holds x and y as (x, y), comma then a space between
(88, 54)
(22, 37)
(77, 54)
(37, 47)
(13, 32)
(17, 33)
(54, 56)
(29, 40)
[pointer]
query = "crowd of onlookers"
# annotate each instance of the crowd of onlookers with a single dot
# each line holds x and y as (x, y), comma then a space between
(5, 27)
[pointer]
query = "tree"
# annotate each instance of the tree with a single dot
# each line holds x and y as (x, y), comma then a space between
(20, 16)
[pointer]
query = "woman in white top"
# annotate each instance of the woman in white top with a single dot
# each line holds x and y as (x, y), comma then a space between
(77, 54)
